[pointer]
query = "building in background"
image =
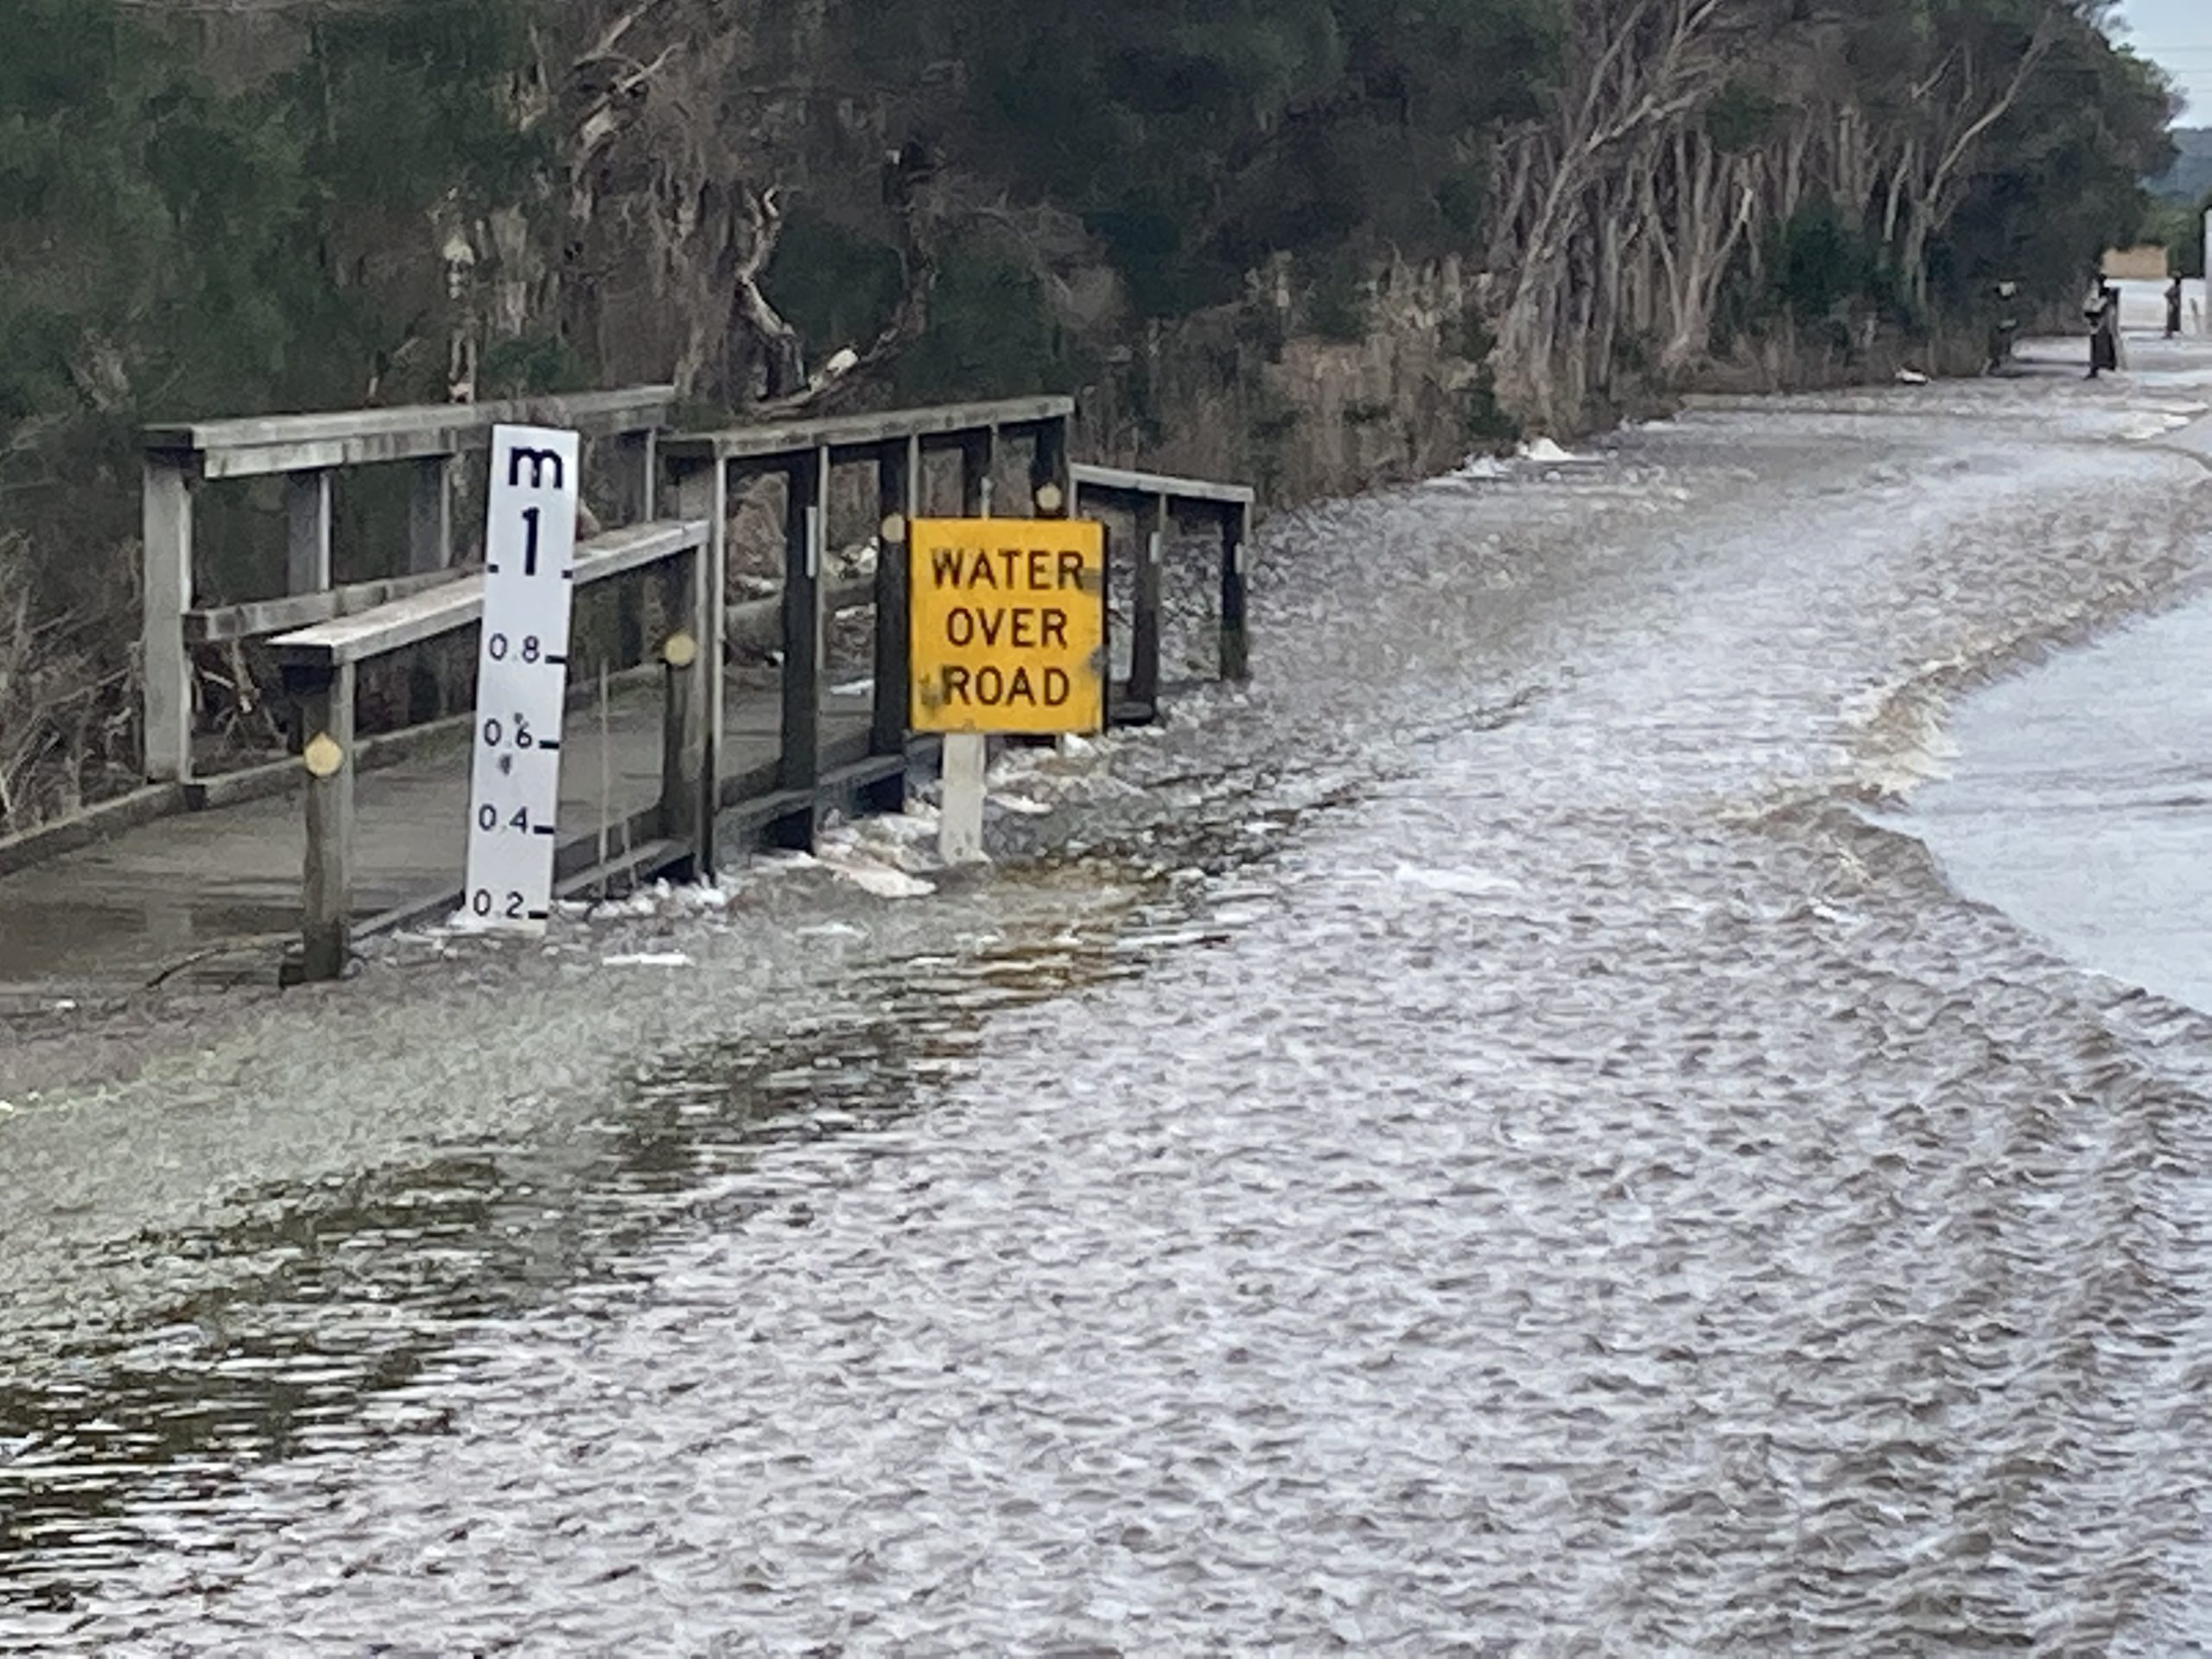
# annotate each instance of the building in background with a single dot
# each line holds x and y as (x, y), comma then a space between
(2146, 263)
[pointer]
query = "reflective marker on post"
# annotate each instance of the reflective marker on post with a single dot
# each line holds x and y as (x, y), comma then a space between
(522, 680)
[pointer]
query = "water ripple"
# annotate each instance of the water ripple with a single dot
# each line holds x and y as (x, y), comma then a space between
(1530, 1169)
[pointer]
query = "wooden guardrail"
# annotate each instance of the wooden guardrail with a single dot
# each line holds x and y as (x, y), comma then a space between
(321, 633)
(1162, 503)
(320, 665)
(308, 451)
(703, 468)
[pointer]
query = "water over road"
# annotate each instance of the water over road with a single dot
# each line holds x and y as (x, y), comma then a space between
(1490, 1142)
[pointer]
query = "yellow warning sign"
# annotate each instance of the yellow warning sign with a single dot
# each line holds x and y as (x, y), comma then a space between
(1008, 622)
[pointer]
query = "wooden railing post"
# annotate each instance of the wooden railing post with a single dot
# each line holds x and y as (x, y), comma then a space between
(898, 495)
(307, 552)
(979, 454)
(324, 696)
(1144, 626)
(1050, 490)
(683, 727)
(166, 525)
(702, 491)
(1111, 700)
(307, 514)
(430, 548)
(798, 765)
(430, 515)
(1236, 644)
(636, 465)
(637, 473)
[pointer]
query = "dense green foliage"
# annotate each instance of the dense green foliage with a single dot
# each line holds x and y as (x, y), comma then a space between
(1196, 138)
(2060, 179)
(169, 247)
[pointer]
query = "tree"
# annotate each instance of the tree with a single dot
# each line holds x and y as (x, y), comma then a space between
(419, 199)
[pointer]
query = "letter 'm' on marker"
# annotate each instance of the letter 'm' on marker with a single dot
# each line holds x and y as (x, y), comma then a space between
(538, 460)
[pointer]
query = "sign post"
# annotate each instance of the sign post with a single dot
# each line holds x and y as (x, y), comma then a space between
(522, 678)
(1008, 637)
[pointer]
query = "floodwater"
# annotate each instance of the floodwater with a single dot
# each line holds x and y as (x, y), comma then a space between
(1490, 1142)
(2078, 799)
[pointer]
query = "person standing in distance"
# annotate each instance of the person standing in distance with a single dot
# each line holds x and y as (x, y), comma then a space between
(2102, 309)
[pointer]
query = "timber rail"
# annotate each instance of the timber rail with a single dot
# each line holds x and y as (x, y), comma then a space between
(1163, 505)
(308, 452)
(321, 664)
(667, 559)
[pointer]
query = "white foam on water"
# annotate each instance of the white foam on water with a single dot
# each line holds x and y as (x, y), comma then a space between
(1476, 469)
(880, 880)
(2146, 426)
(1465, 883)
(1546, 453)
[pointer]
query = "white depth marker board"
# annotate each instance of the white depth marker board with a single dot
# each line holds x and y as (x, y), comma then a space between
(522, 679)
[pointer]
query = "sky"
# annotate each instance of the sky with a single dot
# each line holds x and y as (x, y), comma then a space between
(2176, 35)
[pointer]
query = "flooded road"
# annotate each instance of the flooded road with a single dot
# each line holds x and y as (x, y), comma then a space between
(1486, 1143)
(2078, 799)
